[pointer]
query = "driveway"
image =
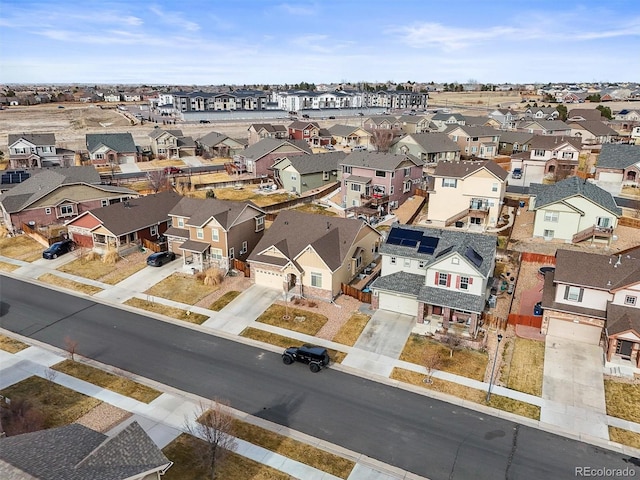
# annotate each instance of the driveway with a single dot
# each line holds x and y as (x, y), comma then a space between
(381, 342)
(573, 387)
(244, 309)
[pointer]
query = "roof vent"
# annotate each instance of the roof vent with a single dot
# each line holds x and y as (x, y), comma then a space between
(609, 283)
(618, 262)
(127, 204)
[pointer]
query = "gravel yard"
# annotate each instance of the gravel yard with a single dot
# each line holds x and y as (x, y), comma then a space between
(103, 417)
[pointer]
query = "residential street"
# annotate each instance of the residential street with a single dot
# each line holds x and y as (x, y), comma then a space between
(422, 435)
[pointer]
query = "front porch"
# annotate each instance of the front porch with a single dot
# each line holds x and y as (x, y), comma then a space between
(198, 257)
(435, 319)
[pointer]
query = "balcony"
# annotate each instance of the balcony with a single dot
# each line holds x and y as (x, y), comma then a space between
(593, 233)
(478, 209)
(374, 200)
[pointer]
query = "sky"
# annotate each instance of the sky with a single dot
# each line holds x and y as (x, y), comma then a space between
(247, 42)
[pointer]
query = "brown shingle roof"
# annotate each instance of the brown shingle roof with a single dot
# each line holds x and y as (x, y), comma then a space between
(621, 318)
(200, 211)
(463, 169)
(593, 270)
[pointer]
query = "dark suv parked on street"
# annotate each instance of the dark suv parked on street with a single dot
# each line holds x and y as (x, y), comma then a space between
(316, 357)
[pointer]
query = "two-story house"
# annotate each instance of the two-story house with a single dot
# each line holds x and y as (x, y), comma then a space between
(54, 196)
(349, 136)
(475, 141)
(545, 127)
(37, 150)
(111, 148)
(211, 232)
(383, 122)
(442, 121)
(439, 276)
(379, 179)
(573, 210)
(428, 147)
(171, 144)
(309, 132)
(302, 173)
(595, 304)
(548, 156)
(505, 117)
(258, 131)
(468, 192)
(618, 165)
(541, 113)
(593, 132)
(219, 145)
(414, 124)
(313, 254)
(260, 157)
(514, 142)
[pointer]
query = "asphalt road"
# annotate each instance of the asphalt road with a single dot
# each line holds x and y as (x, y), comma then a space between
(428, 437)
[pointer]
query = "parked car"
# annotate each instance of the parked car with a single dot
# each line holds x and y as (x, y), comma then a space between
(172, 170)
(517, 173)
(358, 148)
(59, 248)
(537, 309)
(305, 116)
(331, 117)
(316, 357)
(329, 147)
(205, 121)
(158, 259)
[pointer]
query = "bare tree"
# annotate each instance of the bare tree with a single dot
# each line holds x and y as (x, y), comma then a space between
(71, 346)
(158, 180)
(21, 417)
(432, 362)
(453, 342)
(382, 138)
(213, 423)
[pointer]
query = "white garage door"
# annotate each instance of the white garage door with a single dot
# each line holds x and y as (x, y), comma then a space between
(574, 331)
(267, 278)
(397, 303)
(610, 177)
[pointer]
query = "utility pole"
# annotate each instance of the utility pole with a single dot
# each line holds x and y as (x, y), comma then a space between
(493, 369)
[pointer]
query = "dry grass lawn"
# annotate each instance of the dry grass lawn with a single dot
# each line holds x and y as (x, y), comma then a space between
(310, 325)
(93, 269)
(52, 279)
(59, 405)
(125, 269)
(115, 383)
(465, 362)
(11, 345)
(187, 466)
(625, 437)
(8, 267)
(21, 247)
(177, 313)
(526, 369)
(284, 342)
(623, 400)
(248, 193)
(299, 451)
(224, 300)
(467, 393)
(181, 288)
(351, 330)
(314, 208)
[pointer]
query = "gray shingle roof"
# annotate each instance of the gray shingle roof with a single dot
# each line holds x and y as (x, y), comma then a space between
(449, 241)
(268, 145)
(434, 142)
(317, 162)
(571, 187)
(400, 282)
(602, 273)
(513, 137)
(552, 142)
(452, 298)
(550, 124)
(379, 161)
(137, 213)
(43, 139)
(474, 131)
(75, 452)
(463, 168)
(213, 138)
(119, 142)
(199, 211)
(595, 127)
(618, 156)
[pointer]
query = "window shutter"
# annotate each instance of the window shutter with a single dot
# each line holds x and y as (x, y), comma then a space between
(470, 280)
(580, 294)
(566, 292)
(458, 281)
(448, 279)
(437, 277)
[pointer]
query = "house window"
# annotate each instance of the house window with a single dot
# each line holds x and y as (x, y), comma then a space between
(316, 279)
(259, 224)
(566, 155)
(407, 262)
(391, 190)
(200, 233)
(153, 230)
(325, 176)
(294, 177)
(630, 300)
(346, 169)
(216, 253)
(538, 153)
(551, 216)
(474, 149)
(407, 171)
(603, 222)
(244, 248)
(455, 138)
(406, 186)
(381, 173)
(231, 253)
(422, 263)
(305, 133)
(66, 210)
(355, 187)
(494, 187)
(181, 222)
(573, 294)
(455, 260)
(104, 202)
(215, 234)
(393, 260)
(47, 211)
(548, 233)
(449, 182)
(464, 283)
(442, 279)
(100, 156)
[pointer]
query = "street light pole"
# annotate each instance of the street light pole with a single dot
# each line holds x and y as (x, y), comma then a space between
(493, 369)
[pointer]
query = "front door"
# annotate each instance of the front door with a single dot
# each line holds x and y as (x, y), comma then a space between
(623, 348)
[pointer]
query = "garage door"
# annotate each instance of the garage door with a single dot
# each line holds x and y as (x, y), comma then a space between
(397, 303)
(610, 177)
(267, 278)
(574, 331)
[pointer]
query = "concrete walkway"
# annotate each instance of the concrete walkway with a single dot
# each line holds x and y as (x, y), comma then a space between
(573, 387)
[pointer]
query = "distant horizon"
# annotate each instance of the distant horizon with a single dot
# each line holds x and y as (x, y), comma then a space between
(200, 43)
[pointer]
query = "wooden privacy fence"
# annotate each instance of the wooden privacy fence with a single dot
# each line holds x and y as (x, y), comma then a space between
(355, 293)
(629, 222)
(154, 247)
(494, 321)
(241, 266)
(526, 320)
(537, 258)
(420, 192)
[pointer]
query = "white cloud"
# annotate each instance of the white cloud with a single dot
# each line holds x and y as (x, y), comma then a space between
(297, 9)
(175, 18)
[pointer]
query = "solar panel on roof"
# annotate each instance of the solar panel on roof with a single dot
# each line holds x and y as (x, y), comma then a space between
(431, 241)
(445, 251)
(409, 242)
(394, 240)
(473, 256)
